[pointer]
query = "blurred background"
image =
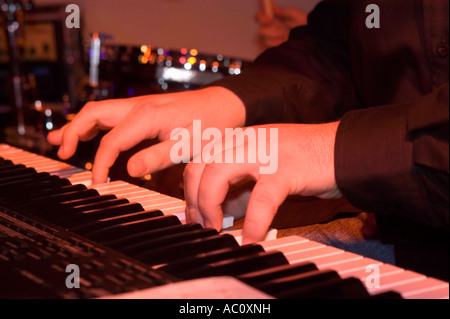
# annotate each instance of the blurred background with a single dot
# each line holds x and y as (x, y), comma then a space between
(122, 49)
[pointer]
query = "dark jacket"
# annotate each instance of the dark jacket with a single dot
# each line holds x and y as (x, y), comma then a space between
(389, 88)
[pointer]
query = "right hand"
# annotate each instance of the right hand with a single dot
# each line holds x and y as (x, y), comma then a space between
(274, 30)
(133, 120)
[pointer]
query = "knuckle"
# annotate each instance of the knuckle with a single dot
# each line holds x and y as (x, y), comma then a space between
(89, 106)
(143, 109)
(264, 197)
(190, 171)
(107, 142)
(214, 170)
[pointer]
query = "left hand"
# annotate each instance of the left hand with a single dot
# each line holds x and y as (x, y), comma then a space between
(304, 166)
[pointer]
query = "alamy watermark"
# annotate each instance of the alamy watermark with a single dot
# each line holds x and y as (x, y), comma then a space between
(261, 146)
(73, 19)
(73, 279)
(373, 19)
(373, 279)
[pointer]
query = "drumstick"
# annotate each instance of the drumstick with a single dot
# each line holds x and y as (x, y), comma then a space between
(267, 7)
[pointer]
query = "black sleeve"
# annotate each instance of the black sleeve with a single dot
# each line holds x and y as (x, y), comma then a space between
(305, 80)
(395, 159)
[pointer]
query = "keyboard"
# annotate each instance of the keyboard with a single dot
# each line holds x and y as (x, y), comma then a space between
(61, 237)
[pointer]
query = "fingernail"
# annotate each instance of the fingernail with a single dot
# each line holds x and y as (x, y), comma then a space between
(61, 152)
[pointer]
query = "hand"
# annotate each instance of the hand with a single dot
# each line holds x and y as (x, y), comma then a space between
(133, 120)
(275, 30)
(305, 167)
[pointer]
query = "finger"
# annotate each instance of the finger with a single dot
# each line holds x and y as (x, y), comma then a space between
(130, 132)
(55, 137)
(268, 194)
(191, 177)
(153, 159)
(214, 186)
(83, 127)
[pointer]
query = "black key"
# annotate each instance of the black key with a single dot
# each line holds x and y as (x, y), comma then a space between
(130, 239)
(97, 225)
(43, 202)
(178, 267)
(144, 246)
(16, 172)
(43, 190)
(34, 188)
(275, 286)
(387, 295)
(113, 232)
(5, 163)
(26, 184)
(61, 216)
(12, 183)
(99, 214)
(164, 255)
(262, 276)
(237, 266)
(86, 201)
(11, 166)
(349, 288)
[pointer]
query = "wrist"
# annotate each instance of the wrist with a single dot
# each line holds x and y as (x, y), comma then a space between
(225, 105)
(326, 160)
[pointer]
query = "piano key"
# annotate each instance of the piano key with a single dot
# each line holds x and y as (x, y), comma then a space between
(112, 232)
(237, 266)
(12, 167)
(44, 191)
(349, 288)
(346, 264)
(391, 280)
(87, 200)
(94, 226)
(4, 162)
(314, 254)
(98, 214)
(55, 199)
(12, 176)
(33, 187)
(58, 168)
(40, 163)
(164, 255)
(77, 208)
(83, 177)
(429, 288)
(169, 205)
(336, 259)
(195, 261)
(59, 215)
(283, 242)
(350, 267)
(164, 241)
(264, 275)
(152, 200)
(282, 284)
(129, 239)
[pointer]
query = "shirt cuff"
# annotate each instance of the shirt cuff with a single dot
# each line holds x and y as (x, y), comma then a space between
(373, 161)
